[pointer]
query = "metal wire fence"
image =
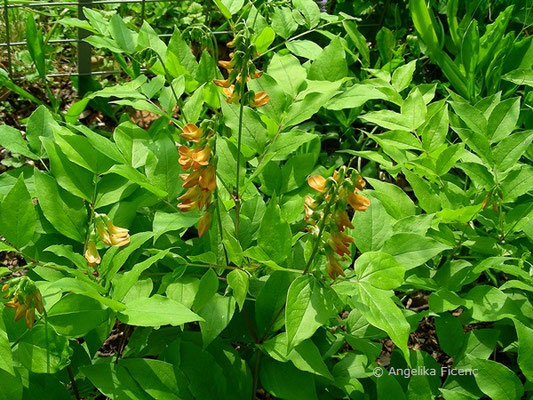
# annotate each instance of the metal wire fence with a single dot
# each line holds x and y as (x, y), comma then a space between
(84, 49)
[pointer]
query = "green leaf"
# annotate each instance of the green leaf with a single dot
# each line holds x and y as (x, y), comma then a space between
(206, 290)
(449, 157)
(387, 119)
(309, 10)
(227, 161)
(40, 124)
(162, 168)
(65, 212)
(427, 198)
(381, 311)
(450, 334)
(193, 106)
(238, 282)
(402, 76)
(69, 176)
(216, 314)
(135, 176)
(305, 356)
(283, 22)
(12, 140)
(254, 133)
(308, 307)
(11, 386)
(331, 64)
(159, 379)
(412, 250)
(263, 41)
(507, 153)
(270, 302)
(304, 48)
(379, 270)
(34, 38)
(42, 350)
(115, 381)
(288, 72)
(156, 311)
(372, 227)
(168, 222)
(123, 284)
(491, 304)
(286, 382)
(75, 315)
(18, 215)
(496, 380)
(414, 110)
(393, 198)
(6, 356)
(125, 37)
(234, 6)
(525, 349)
(275, 235)
(503, 119)
(520, 77)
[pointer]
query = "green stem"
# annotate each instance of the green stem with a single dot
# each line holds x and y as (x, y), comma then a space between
(256, 373)
(239, 144)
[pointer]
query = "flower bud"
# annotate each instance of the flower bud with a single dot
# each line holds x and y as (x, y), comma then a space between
(261, 99)
(358, 202)
(192, 132)
(224, 83)
(204, 224)
(91, 254)
(317, 182)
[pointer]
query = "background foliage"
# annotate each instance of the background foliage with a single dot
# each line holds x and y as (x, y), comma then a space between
(127, 295)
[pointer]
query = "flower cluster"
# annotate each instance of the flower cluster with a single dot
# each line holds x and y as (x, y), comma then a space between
(241, 69)
(25, 299)
(109, 234)
(329, 212)
(201, 181)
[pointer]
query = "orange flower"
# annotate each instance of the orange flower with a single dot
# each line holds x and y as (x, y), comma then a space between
(192, 132)
(91, 254)
(224, 83)
(360, 183)
(317, 182)
(204, 224)
(30, 318)
(258, 74)
(333, 267)
(201, 156)
(231, 96)
(358, 202)
(226, 64)
(339, 243)
(342, 220)
(192, 179)
(261, 99)
(191, 195)
(103, 234)
(309, 204)
(185, 159)
(207, 178)
(20, 312)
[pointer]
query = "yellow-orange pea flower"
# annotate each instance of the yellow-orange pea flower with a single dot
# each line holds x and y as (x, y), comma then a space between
(224, 83)
(192, 179)
(91, 254)
(360, 183)
(358, 202)
(317, 182)
(207, 179)
(333, 267)
(261, 99)
(342, 220)
(192, 132)
(226, 64)
(201, 156)
(204, 224)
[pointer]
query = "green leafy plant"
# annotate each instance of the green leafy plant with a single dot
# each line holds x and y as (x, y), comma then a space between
(294, 214)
